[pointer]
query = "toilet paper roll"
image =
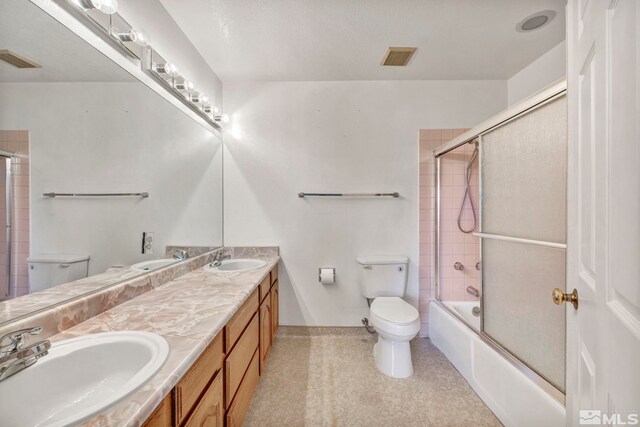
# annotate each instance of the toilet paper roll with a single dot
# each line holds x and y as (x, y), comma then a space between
(327, 275)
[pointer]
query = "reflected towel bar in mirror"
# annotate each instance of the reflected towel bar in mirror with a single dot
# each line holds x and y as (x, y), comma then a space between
(394, 195)
(144, 195)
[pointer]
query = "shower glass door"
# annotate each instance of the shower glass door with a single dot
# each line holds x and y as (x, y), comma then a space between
(523, 170)
(5, 220)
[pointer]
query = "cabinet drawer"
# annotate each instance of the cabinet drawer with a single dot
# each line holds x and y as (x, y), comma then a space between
(210, 410)
(274, 274)
(265, 285)
(236, 325)
(239, 358)
(240, 405)
(193, 383)
(161, 416)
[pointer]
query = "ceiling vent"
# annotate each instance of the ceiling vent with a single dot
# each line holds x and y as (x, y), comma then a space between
(16, 60)
(398, 56)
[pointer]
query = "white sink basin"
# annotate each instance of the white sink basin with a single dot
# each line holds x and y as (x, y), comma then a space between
(153, 264)
(80, 378)
(241, 264)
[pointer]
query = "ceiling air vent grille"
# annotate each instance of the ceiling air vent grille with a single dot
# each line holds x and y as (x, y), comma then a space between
(398, 56)
(16, 60)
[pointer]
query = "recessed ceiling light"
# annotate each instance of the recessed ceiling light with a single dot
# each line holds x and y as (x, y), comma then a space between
(535, 21)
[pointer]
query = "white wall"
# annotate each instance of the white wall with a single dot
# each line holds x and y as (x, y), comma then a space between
(115, 137)
(545, 70)
(287, 137)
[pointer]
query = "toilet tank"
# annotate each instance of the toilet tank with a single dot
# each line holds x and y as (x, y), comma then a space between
(49, 270)
(382, 275)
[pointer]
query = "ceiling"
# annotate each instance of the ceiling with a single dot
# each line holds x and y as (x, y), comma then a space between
(64, 57)
(347, 39)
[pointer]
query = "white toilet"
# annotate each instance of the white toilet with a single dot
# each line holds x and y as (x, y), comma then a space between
(47, 270)
(383, 278)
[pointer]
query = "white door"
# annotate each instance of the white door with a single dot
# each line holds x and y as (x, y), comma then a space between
(603, 334)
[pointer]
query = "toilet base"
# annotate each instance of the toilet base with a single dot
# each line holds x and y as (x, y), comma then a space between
(393, 358)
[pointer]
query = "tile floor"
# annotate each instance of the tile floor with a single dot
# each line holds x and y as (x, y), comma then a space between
(327, 377)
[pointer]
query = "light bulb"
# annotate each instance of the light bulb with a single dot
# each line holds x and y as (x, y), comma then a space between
(105, 6)
(167, 68)
(204, 99)
(223, 118)
(141, 38)
(185, 85)
(134, 36)
(216, 111)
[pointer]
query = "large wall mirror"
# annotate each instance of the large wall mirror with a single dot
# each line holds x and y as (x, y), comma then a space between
(73, 122)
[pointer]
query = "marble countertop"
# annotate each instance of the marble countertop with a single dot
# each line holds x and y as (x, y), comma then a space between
(188, 312)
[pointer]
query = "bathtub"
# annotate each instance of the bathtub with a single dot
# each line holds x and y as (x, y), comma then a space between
(514, 395)
(464, 309)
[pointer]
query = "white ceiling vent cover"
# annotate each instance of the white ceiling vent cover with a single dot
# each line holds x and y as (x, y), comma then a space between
(398, 56)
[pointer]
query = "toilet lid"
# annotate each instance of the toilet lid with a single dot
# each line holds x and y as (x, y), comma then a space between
(394, 309)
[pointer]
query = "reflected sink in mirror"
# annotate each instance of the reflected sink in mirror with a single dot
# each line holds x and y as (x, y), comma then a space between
(154, 264)
(81, 377)
(231, 265)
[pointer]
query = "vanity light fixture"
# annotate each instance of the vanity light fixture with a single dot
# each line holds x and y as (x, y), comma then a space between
(185, 85)
(166, 68)
(103, 18)
(134, 36)
(224, 118)
(108, 7)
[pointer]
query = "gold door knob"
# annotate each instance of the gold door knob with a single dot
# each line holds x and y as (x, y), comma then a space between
(559, 297)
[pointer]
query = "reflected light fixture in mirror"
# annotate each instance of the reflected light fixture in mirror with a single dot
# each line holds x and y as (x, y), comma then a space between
(151, 61)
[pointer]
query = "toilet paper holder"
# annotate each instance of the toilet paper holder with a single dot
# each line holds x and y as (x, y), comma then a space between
(326, 275)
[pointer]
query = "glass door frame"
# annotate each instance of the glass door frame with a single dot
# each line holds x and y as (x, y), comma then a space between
(546, 96)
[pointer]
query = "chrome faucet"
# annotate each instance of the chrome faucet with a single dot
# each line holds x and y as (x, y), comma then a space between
(180, 254)
(14, 358)
(220, 256)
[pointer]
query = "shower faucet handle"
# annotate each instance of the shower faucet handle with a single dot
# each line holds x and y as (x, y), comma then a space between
(458, 266)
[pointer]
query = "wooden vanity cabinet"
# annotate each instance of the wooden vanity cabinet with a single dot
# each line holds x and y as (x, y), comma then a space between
(217, 389)
(275, 309)
(161, 416)
(210, 409)
(265, 330)
(200, 383)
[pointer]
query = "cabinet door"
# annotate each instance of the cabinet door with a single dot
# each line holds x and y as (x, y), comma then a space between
(265, 330)
(210, 410)
(161, 417)
(275, 309)
(240, 405)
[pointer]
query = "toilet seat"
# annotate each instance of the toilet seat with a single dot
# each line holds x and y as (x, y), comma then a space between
(394, 310)
(394, 316)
